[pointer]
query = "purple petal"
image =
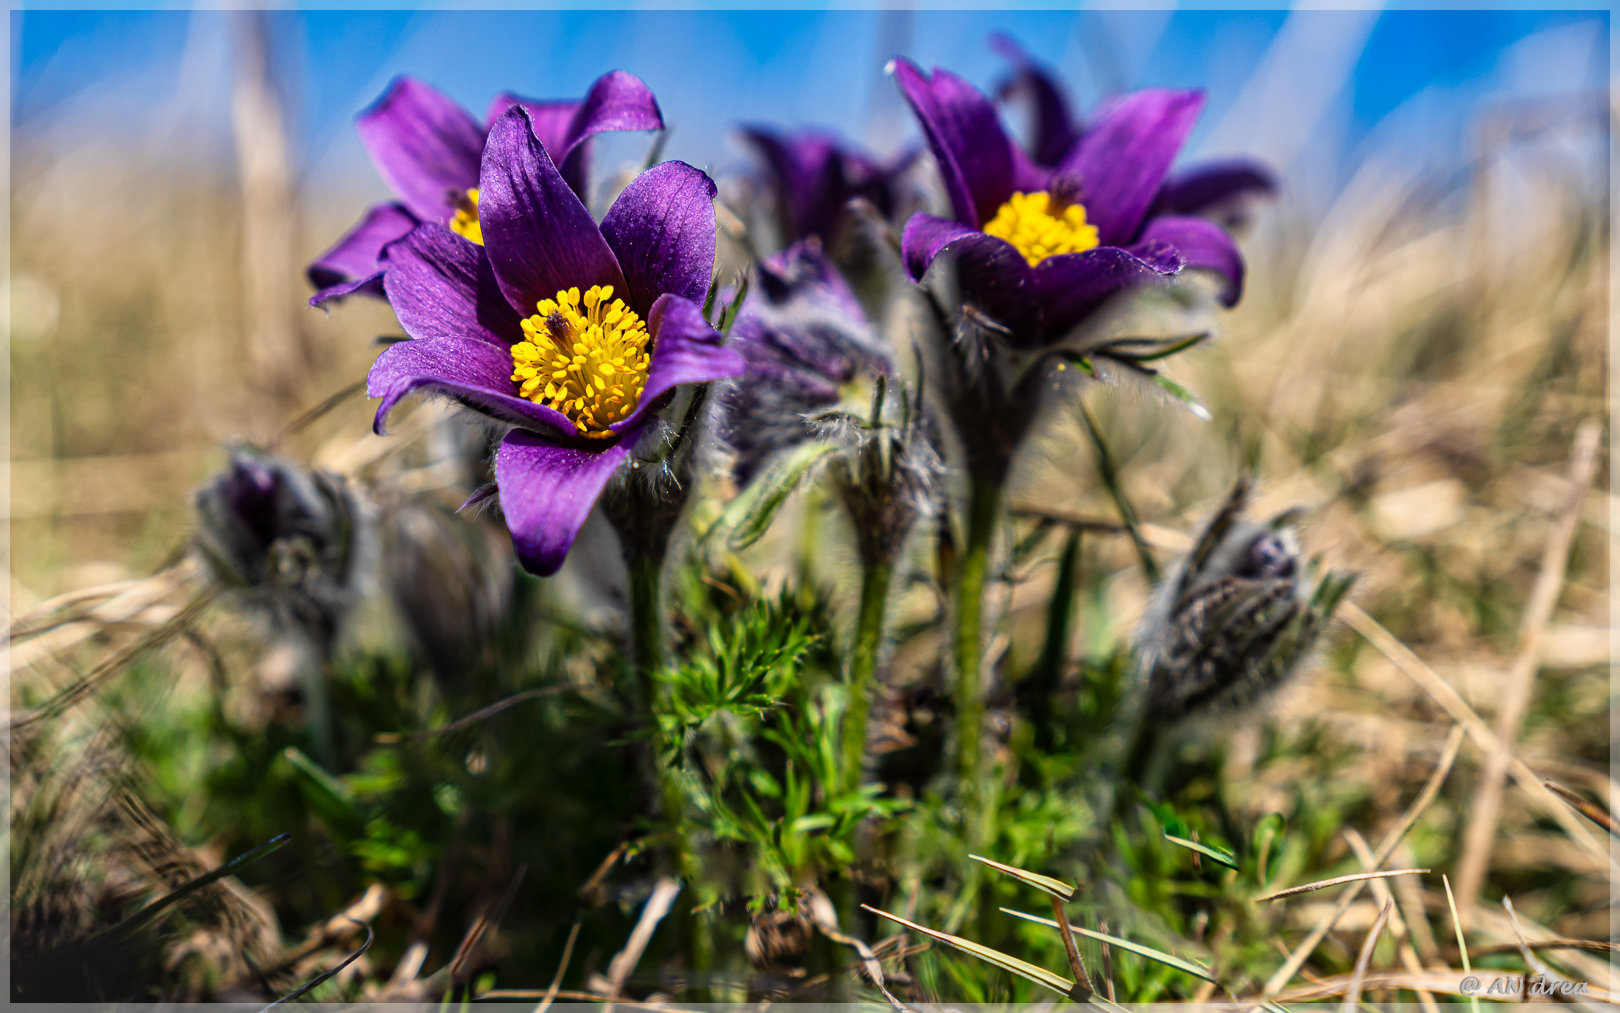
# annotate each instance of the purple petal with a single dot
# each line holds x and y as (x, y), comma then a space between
(441, 286)
(369, 284)
(615, 101)
(538, 235)
(1204, 188)
(1122, 160)
(1029, 177)
(991, 276)
(974, 155)
(925, 237)
(548, 490)
(802, 329)
(1072, 286)
(468, 369)
(805, 171)
(1055, 129)
(661, 229)
(359, 252)
(550, 119)
(424, 145)
(1204, 245)
(685, 350)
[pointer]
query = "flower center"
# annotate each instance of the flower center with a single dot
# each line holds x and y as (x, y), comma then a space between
(586, 357)
(465, 223)
(1040, 227)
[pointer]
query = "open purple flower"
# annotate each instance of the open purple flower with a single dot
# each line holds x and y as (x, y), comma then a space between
(814, 176)
(572, 332)
(428, 149)
(1209, 189)
(804, 336)
(1037, 250)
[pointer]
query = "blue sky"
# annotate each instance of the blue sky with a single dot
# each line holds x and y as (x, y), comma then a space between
(1332, 76)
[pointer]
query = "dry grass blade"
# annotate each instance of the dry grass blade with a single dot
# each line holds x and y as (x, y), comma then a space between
(826, 919)
(386, 738)
(324, 977)
(1430, 681)
(1520, 681)
(157, 907)
(653, 912)
(1593, 945)
(1443, 982)
(1530, 959)
(562, 968)
(1355, 877)
(1071, 951)
(1167, 959)
(1039, 975)
(1296, 960)
(1358, 980)
(1045, 884)
(1582, 806)
(82, 688)
(1399, 921)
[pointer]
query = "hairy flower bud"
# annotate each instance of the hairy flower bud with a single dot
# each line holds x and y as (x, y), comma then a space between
(888, 473)
(1235, 618)
(283, 537)
(804, 337)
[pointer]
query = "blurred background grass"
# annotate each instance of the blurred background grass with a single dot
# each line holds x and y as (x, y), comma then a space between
(1424, 331)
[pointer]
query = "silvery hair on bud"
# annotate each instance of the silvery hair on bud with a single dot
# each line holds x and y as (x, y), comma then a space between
(284, 538)
(1235, 617)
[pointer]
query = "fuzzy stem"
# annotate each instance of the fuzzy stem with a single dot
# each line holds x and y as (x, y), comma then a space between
(646, 565)
(875, 576)
(983, 503)
(646, 624)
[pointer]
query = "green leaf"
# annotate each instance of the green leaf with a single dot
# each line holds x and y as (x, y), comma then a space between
(1220, 855)
(1183, 395)
(729, 315)
(1166, 351)
(750, 515)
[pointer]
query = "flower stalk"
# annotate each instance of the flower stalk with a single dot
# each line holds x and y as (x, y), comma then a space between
(646, 571)
(984, 502)
(876, 576)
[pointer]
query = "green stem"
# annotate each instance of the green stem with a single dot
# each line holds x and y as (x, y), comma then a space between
(646, 626)
(983, 504)
(875, 578)
(647, 656)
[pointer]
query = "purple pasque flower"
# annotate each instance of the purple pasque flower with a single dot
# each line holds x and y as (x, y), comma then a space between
(814, 175)
(572, 332)
(804, 337)
(428, 150)
(1037, 250)
(1209, 189)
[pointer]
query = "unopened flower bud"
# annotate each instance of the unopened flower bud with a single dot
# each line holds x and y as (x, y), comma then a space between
(281, 536)
(1235, 618)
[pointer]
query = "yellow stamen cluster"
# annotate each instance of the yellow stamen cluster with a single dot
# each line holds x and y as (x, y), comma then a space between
(584, 356)
(1041, 227)
(465, 223)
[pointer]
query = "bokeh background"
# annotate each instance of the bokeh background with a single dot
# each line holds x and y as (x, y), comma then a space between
(1423, 337)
